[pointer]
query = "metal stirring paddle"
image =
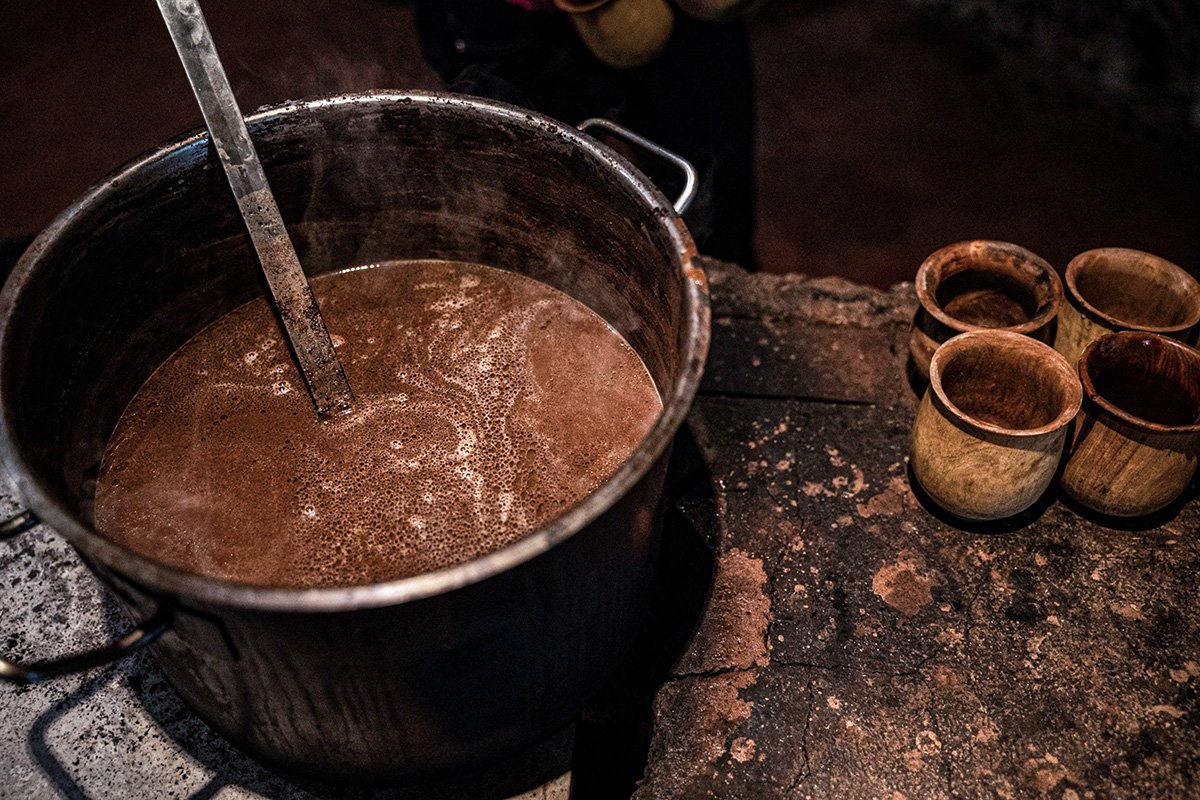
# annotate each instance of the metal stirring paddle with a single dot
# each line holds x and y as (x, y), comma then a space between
(302, 322)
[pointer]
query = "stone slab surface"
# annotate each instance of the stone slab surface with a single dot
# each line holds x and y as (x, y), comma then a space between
(856, 644)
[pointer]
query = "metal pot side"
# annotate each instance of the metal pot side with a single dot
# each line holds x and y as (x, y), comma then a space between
(399, 680)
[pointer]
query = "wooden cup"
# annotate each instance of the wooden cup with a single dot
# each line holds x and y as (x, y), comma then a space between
(1117, 289)
(990, 429)
(1138, 438)
(981, 285)
(621, 33)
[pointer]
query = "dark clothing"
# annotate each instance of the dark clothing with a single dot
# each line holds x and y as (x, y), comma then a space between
(695, 98)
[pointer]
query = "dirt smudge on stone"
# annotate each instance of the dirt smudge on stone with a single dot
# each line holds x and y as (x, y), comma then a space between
(733, 633)
(706, 712)
(893, 500)
(742, 749)
(903, 587)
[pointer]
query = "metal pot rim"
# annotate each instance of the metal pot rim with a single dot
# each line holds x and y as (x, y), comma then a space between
(161, 579)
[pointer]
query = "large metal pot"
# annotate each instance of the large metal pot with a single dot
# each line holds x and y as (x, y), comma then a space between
(398, 680)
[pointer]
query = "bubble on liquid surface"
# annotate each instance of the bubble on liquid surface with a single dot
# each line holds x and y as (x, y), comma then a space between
(471, 429)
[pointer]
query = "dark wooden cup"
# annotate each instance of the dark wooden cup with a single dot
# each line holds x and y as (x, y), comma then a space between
(981, 285)
(1138, 438)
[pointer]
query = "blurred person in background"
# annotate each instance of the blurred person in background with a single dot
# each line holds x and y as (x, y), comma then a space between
(675, 71)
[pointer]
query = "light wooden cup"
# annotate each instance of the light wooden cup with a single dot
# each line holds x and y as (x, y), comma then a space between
(1137, 442)
(990, 430)
(621, 33)
(1116, 289)
(981, 285)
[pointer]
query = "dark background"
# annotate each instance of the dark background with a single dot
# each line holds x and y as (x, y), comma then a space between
(885, 129)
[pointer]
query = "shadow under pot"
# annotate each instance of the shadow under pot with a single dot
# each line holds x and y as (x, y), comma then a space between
(990, 430)
(1116, 289)
(981, 285)
(1136, 445)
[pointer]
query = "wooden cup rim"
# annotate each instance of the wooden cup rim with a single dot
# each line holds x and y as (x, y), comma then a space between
(1047, 356)
(927, 294)
(1089, 256)
(1146, 338)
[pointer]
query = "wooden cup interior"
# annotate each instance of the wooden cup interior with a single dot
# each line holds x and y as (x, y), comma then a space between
(1133, 289)
(1006, 384)
(1148, 377)
(991, 285)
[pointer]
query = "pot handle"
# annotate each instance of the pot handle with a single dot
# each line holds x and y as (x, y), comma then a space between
(142, 635)
(17, 524)
(690, 177)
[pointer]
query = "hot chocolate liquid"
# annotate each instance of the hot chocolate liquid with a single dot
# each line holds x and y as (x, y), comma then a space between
(487, 404)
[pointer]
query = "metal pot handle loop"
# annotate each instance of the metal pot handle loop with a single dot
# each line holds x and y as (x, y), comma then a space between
(690, 176)
(131, 642)
(17, 524)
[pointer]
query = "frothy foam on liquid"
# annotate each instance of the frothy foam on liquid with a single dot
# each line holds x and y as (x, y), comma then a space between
(487, 404)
